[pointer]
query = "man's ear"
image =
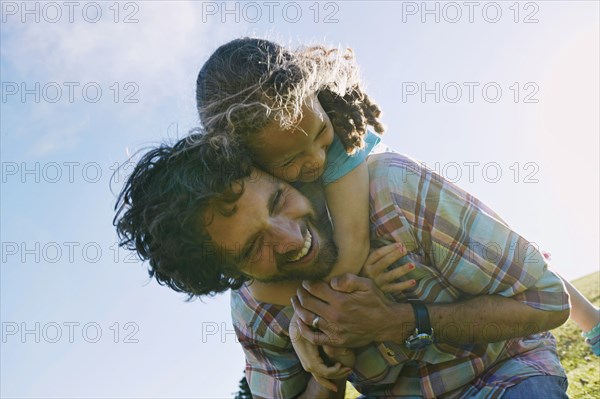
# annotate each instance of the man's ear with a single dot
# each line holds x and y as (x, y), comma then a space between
(230, 270)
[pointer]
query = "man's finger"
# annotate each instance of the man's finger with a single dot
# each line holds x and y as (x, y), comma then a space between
(317, 366)
(316, 337)
(312, 304)
(350, 282)
(332, 373)
(319, 289)
(324, 375)
(326, 383)
(306, 316)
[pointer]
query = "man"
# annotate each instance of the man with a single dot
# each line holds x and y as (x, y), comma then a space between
(207, 220)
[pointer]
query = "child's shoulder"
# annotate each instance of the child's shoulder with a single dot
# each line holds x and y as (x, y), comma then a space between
(339, 163)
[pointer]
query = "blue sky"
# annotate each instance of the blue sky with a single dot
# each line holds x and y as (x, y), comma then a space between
(526, 143)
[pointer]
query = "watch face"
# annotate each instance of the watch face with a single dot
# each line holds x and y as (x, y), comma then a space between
(419, 341)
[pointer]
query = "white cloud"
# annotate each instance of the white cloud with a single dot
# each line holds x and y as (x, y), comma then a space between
(161, 54)
(153, 48)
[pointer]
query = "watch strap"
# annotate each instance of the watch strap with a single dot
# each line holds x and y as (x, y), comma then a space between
(422, 322)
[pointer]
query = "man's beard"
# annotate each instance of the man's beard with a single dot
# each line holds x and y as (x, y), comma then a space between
(324, 259)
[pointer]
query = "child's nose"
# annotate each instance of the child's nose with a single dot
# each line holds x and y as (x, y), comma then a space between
(316, 161)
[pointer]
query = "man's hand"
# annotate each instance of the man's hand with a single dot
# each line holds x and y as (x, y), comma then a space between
(352, 311)
(311, 360)
(345, 356)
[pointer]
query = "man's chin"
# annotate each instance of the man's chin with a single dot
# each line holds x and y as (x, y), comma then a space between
(315, 273)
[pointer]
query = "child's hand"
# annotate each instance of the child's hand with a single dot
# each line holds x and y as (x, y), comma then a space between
(592, 338)
(379, 260)
(313, 362)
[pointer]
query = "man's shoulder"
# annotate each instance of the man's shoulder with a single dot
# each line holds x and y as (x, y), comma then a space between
(397, 159)
(401, 178)
(394, 186)
(395, 172)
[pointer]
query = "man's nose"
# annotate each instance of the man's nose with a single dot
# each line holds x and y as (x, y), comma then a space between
(286, 235)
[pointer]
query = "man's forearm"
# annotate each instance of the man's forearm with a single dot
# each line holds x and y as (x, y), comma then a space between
(357, 313)
(487, 318)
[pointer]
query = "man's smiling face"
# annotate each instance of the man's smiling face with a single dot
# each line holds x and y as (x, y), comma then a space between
(272, 233)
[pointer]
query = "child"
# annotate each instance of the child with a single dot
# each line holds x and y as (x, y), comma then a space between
(304, 117)
(285, 107)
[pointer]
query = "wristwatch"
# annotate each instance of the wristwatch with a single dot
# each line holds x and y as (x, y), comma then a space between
(423, 336)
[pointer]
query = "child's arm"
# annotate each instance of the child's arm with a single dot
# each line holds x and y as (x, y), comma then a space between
(348, 202)
(583, 312)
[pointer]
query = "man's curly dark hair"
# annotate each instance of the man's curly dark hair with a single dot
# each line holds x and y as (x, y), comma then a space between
(158, 209)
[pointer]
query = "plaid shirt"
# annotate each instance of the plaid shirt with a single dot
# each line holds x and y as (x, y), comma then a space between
(461, 249)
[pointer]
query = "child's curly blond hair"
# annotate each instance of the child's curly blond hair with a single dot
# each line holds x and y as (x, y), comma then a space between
(248, 83)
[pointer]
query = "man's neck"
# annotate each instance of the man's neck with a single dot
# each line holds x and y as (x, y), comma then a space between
(276, 293)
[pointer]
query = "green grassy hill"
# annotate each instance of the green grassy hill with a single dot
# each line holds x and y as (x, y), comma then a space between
(582, 366)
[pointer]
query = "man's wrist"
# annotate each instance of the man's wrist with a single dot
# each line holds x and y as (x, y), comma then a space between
(399, 325)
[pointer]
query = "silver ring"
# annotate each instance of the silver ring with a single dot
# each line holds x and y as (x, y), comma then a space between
(315, 322)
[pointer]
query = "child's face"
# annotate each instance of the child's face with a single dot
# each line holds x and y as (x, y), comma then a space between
(296, 154)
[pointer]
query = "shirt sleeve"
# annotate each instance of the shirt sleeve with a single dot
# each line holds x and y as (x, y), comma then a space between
(475, 251)
(339, 163)
(273, 370)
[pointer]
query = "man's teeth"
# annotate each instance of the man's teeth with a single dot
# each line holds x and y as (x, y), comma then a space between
(302, 253)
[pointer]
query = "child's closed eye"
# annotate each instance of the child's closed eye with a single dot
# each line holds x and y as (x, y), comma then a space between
(288, 162)
(322, 130)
